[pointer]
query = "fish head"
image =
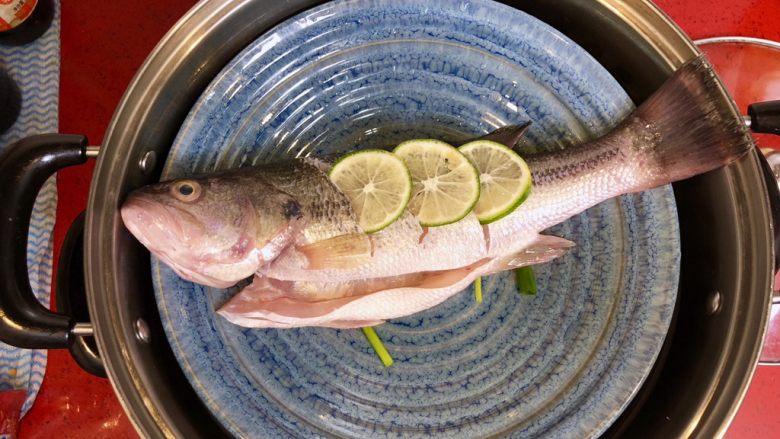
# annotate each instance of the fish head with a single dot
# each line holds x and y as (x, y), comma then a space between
(213, 231)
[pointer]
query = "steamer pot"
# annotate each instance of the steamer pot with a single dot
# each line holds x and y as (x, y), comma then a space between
(726, 228)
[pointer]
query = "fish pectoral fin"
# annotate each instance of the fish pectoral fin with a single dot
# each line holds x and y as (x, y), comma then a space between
(343, 251)
(543, 249)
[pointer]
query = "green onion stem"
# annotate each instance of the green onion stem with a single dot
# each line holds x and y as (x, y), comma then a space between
(525, 280)
(478, 289)
(379, 348)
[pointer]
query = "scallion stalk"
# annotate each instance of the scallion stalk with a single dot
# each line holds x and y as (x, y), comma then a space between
(478, 289)
(525, 280)
(379, 348)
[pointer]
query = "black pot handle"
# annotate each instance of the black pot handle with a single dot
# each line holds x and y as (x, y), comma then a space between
(765, 117)
(771, 167)
(24, 168)
(72, 297)
(773, 190)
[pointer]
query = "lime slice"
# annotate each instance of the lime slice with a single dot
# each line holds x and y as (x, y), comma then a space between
(504, 178)
(445, 183)
(377, 184)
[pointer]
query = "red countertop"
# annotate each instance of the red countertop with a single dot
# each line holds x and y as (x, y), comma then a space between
(104, 43)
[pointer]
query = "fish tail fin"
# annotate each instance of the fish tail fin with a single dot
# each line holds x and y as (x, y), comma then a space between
(692, 129)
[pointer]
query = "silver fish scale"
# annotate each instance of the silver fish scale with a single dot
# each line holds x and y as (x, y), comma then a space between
(568, 182)
(326, 212)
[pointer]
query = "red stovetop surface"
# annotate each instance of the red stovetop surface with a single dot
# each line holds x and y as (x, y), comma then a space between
(104, 42)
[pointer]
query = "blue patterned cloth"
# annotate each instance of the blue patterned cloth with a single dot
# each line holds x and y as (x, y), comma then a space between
(36, 69)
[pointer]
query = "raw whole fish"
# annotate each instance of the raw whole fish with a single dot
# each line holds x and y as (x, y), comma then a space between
(288, 226)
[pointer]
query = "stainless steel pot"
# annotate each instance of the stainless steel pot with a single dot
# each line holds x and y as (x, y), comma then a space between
(726, 229)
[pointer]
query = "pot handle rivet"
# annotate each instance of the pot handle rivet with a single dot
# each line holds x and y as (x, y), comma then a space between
(93, 151)
(147, 162)
(82, 330)
(713, 303)
(142, 332)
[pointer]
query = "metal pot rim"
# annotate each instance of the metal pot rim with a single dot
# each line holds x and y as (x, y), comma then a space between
(153, 100)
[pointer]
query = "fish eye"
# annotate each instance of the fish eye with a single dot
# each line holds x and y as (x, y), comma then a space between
(186, 191)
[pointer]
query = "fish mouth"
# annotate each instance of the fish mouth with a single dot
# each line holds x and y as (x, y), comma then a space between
(161, 229)
(155, 225)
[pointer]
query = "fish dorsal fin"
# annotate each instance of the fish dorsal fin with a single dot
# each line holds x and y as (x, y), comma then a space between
(343, 251)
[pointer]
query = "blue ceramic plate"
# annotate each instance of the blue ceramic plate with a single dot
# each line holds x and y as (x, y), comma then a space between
(368, 73)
